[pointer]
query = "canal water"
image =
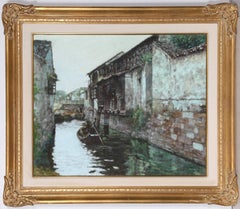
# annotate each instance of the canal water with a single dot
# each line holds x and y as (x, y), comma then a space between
(120, 155)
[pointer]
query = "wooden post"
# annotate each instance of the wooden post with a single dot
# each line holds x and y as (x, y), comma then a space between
(106, 123)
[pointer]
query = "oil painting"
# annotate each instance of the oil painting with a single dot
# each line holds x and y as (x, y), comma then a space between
(120, 105)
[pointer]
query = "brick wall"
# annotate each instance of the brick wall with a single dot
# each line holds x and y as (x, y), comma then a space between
(181, 133)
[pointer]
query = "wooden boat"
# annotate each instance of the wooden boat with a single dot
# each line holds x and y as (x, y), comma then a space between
(89, 136)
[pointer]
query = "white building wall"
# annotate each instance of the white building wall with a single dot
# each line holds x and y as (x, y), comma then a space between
(143, 89)
(181, 81)
(128, 91)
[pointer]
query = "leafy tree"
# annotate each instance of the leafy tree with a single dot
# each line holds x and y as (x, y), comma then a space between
(187, 41)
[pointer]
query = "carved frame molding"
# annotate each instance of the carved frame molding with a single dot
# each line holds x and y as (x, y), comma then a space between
(228, 12)
(11, 197)
(229, 195)
(226, 194)
(11, 13)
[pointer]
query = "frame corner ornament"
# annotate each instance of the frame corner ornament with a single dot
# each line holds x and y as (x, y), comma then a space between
(229, 13)
(11, 197)
(10, 13)
(229, 195)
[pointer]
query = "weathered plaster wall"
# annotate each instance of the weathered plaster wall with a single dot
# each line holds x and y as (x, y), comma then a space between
(149, 84)
(44, 126)
(128, 91)
(135, 93)
(178, 83)
(138, 87)
(136, 74)
(43, 102)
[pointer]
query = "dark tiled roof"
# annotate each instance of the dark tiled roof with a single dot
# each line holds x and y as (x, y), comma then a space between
(174, 52)
(42, 47)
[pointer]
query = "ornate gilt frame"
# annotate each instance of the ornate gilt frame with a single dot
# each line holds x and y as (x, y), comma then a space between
(14, 16)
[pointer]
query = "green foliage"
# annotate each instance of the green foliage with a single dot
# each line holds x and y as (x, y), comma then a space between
(44, 172)
(43, 162)
(36, 139)
(42, 151)
(140, 118)
(36, 90)
(147, 57)
(188, 41)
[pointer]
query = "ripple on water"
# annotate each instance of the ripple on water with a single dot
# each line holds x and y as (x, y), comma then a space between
(120, 155)
(70, 156)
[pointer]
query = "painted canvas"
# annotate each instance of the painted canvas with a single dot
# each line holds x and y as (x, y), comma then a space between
(120, 105)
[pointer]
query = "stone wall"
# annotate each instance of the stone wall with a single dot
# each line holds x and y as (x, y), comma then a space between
(181, 133)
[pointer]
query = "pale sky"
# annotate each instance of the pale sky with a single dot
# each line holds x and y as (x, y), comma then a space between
(76, 55)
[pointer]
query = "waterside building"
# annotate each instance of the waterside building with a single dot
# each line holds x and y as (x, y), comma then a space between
(157, 92)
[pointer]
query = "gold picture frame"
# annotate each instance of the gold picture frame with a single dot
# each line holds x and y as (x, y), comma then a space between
(219, 186)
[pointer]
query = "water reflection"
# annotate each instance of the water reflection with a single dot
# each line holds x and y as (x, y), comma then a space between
(70, 156)
(120, 155)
